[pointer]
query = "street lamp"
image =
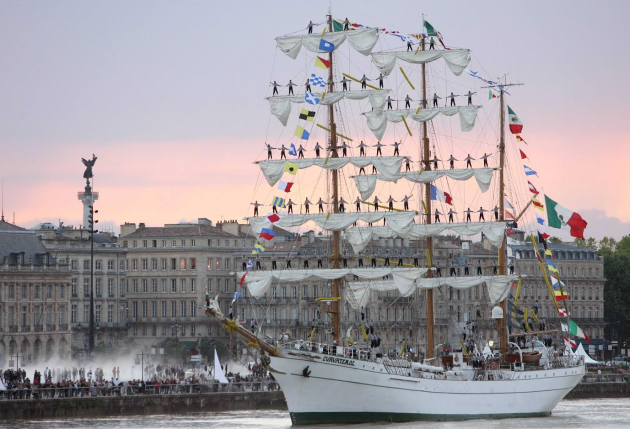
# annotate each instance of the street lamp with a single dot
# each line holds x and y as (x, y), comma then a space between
(89, 332)
(91, 223)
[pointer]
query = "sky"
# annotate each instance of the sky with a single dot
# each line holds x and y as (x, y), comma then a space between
(170, 97)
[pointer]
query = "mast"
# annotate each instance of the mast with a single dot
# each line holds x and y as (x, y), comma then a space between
(502, 263)
(335, 184)
(426, 161)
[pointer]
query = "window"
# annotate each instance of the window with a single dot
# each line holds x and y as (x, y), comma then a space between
(144, 243)
(153, 308)
(98, 288)
(144, 309)
(154, 286)
(210, 242)
(73, 314)
(145, 264)
(284, 292)
(227, 264)
(62, 292)
(183, 243)
(294, 292)
(193, 263)
(182, 263)
(86, 264)
(173, 309)
(164, 264)
(134, 264)
(163, 243)
(122, 288)
(193, 309)
(226, 287)
(163, 330)
(135, 243)
(37, 296)
(145, 286)
(209, 263)
(74, 265)
(173, 285)
(122, 265)
(192, 330)
(86, 313)
(315, 294)
(274, 292)
(110, 313)
(154, 243)
(274, 313)
(163, 305)
(163, 285)
(154, 264)
(183, 285)
(111, 286)
(98, 314)
(305, 291)
(173, 264)
(183, 305)
(218, 264)
(209, 285)
(134, 309)
(97, 264)
(193, 285)
(110, 265)
(193, 243)
(173, 243)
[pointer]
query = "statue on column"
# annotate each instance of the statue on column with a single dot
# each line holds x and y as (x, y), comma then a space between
(89, 163)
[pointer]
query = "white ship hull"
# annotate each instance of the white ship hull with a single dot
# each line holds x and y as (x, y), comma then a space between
(341, 390)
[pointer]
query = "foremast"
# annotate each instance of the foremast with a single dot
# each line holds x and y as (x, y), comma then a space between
(336, 289)
(426, 162)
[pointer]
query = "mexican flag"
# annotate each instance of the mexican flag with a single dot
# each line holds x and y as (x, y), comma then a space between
(516, 126)
(575, 331)
(430, 30)
(562, 218)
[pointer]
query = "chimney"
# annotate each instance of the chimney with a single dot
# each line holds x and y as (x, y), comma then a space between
(141, 225)
(230, 227)
(127, 229)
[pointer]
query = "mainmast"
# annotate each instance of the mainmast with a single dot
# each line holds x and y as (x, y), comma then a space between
(502, 251)
(335, 184)
(426, 162)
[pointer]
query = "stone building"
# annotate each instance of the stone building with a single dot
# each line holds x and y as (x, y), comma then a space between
(170, 268)
(34, 299)
(110, 304)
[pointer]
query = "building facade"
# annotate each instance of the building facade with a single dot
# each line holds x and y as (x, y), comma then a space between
(34, 300)
(170, 268)
(110, 302)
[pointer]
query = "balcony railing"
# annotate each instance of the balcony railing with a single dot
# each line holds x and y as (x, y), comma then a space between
(50, 328)
(25, 328)
(13, 329)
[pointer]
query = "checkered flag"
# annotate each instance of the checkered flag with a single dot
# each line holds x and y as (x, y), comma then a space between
(317, 81)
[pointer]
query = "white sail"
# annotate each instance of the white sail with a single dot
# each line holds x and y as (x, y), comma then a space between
(388, 166)
(367, 183)
(218, 371)
(359, 238)
(398, 221)
(377, 119)
(498, 287)
(258, 282)
(281, 104)
(362, 40)
(456, 59)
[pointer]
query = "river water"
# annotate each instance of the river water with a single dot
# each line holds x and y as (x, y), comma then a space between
(591, 413)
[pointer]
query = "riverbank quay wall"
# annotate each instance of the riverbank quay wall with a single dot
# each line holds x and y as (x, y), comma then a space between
(108, 406)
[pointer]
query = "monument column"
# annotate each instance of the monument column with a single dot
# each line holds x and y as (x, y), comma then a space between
(87, 197)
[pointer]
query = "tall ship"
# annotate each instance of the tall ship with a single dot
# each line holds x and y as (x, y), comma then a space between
(345, 371)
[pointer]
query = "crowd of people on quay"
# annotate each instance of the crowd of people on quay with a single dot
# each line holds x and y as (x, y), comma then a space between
(158, 379)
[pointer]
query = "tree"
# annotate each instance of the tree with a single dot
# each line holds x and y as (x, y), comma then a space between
(617, 293)
(555, 240)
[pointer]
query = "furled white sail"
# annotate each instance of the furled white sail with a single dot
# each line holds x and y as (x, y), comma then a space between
(359, 238)
(388, 166)
(377, 119)
(358, 293)
(456, 59)
(367, 183)
(403, 279)
(281, 104)
(362, 40)
(398, 221)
